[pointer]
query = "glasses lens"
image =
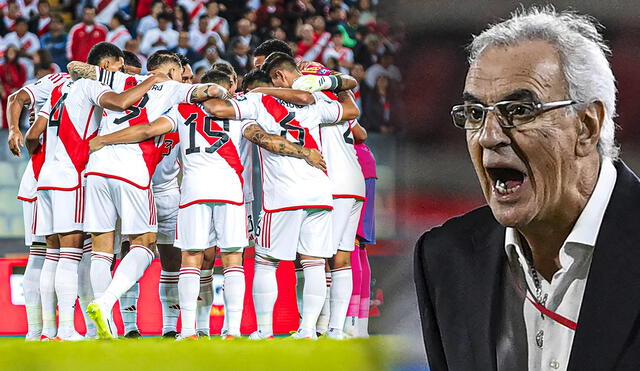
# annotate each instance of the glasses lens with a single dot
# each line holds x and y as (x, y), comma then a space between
(517, 113)
(459, 117)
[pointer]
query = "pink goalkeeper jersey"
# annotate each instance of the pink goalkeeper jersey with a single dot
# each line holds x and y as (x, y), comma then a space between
(74, 116)
(39, 92)
(210, 157)
(290, 183)
(134, 163)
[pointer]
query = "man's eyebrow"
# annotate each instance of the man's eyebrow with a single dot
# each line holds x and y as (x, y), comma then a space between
(468, 97)
(521, 94)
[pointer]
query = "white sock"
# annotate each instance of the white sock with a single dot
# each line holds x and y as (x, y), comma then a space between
(129, 271)
(48, 292)
(362, 327)
(341, 289)
(315, 290)
(31, 288)
(85, 292)
(168, 291)
(205, 301)
(100, 272)
(234, 287)
(66, 284)
(299, 289)
(323, 319)
(129, 308)
(265, 293)
(188, 287)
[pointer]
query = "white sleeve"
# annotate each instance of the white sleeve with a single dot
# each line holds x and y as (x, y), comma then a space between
(224, 29)
(173, 116)
(329, 111)
(40, 90)
(247, 106)
(245, 124)
(180, 93)
(46, 109)
(147, 40)
(93, 90)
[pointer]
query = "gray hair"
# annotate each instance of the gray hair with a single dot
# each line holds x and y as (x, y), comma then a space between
(583, 54)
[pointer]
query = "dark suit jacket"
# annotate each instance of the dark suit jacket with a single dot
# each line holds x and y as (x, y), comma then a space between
(191, 55)
(459, 281)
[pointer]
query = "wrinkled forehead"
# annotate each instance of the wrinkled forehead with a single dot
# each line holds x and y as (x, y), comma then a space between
(529, 70)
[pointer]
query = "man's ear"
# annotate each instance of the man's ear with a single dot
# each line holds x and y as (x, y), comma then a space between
(589, 127)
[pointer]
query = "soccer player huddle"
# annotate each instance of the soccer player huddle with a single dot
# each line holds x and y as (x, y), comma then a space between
(107, 147)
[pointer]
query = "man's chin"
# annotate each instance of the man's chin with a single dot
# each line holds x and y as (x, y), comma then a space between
(509, 215)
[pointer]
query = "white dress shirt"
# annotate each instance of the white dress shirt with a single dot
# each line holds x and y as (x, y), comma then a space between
(549, 341)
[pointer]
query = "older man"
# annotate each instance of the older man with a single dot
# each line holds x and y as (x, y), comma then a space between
(547, 275)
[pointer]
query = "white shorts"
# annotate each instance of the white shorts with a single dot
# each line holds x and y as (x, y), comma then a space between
(59, 211)
(282, 234)
(29, 213)
(251, 227)
(201, 226)
(108, 198)
(346, 216)
(167, 203)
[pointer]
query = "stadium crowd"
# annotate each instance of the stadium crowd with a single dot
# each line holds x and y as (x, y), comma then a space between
(38, 37)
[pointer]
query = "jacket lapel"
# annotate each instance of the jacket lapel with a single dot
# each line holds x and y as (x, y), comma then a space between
(611, 302)
(485, 288)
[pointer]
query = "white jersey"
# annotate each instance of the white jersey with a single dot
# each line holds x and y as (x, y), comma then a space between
(246, 157)
(74, 116)
(338, 150)
(210, 158)
(39, 92)
(134, 163)
(166, 175)
(290, 183)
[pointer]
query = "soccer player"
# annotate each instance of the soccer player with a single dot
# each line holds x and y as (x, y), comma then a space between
(293, 221)
(32, 96)
(119, 179)
(71, 117)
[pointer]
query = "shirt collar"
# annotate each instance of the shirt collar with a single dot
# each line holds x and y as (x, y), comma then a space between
(585, 230)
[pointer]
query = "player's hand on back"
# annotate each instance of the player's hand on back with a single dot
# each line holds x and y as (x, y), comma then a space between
(95, 144)
(310, 83)
(315, 159)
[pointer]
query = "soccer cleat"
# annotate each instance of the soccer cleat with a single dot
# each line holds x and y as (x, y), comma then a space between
(46, 338)
(170, 335)
(191, 337)
(334, 334)
(133, 334)
(259, 335)
(202, 334)
(32, 337)
(226, 335)
(74, 336)
(96, 314)
(303, 333)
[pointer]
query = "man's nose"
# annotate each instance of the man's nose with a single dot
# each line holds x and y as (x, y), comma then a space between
(493, 135)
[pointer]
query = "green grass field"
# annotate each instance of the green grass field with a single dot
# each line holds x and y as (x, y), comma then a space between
(376, 353)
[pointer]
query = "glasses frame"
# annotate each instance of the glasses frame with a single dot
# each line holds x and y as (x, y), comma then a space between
(504, 120)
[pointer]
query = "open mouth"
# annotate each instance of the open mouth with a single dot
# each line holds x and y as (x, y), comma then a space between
(506, 180)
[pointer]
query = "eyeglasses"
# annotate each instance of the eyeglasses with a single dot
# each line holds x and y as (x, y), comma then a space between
(510, 114)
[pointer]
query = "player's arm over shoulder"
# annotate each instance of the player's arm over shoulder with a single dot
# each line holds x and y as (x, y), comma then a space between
(295, 96)
(133, 134)
(279, 145)
(81, 70)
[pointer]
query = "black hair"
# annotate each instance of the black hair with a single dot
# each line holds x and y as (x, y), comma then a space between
(253, 77)
(216, 77)
(272, 46)
(235, 43)
(160, 58)
(88, 6)
(20, 20)
(183, 59)
(336, 33)
(278, 60)
(121, 18)
(103, 50)
(166, 16)
(202, 16)
(130, 59)
(224, 67)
